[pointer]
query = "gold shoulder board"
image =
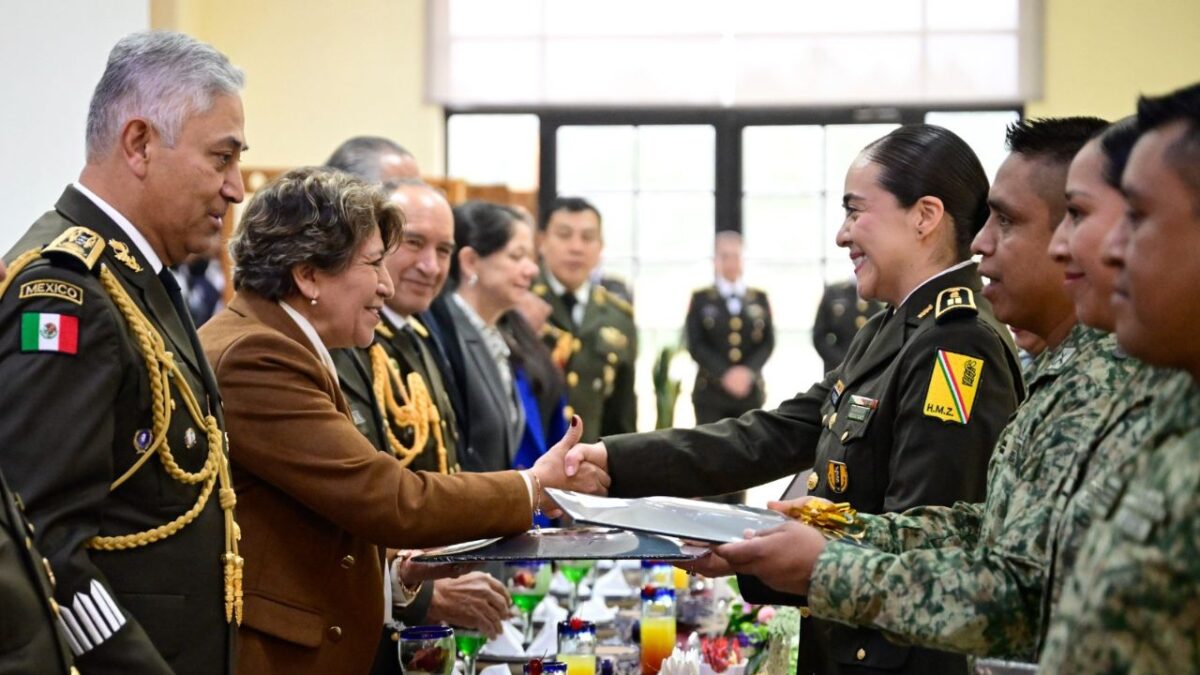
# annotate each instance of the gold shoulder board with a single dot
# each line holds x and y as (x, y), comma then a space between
(616, 301)
(955, 302)
(77, 243)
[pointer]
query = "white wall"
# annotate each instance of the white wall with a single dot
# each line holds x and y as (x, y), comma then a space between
(52, 53)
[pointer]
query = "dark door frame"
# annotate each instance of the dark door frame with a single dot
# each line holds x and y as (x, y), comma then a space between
(727, 122)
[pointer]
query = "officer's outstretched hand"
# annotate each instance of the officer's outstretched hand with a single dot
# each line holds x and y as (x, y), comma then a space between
(782, 556)
(552, 470)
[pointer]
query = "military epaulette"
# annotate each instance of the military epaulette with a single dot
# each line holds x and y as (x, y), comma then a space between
(75, 244)
(418, 326)
(955, 302)
(605, 295)
(384, 331)
(754, 293)
(711, 292)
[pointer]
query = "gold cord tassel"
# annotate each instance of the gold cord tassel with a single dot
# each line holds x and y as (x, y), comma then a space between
(161, 365)
(418, 410)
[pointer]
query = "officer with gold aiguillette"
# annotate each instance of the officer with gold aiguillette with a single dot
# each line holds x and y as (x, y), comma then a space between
(112, 431)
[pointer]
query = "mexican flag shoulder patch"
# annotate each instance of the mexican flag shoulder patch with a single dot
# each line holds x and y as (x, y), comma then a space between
(43, 332)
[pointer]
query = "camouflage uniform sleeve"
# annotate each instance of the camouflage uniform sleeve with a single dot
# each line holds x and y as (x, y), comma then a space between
(983, 599)
(1132, 602)
(924, 527)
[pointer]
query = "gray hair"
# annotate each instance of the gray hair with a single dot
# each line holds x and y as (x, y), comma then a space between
(310, 215)
(360, 157)
(161, 76)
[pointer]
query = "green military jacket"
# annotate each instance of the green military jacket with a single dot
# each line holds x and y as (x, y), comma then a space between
(410, 356)
(718, 340)
(1131, 603)
(600, 368)
(77, 401)
(32, 640)
(971, 577)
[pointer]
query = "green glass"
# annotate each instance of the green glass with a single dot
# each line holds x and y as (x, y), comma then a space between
(526, 602)
(469, 643)
(574, 571)
(527, 583)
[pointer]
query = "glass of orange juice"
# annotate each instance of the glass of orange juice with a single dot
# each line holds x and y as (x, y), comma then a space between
(658, 627)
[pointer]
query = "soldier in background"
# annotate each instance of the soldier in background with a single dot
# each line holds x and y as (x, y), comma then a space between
(603, 349)
(839, 316)
(731, 336)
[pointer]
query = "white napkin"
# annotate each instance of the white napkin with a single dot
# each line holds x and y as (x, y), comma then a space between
(549, 611)
(596, 611)
(507, 643)
(545, 643)
(613, 585)
(679, 663)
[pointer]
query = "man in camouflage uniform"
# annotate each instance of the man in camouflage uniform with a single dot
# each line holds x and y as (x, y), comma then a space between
(1132, 601)
(971, 577)
(603, 349)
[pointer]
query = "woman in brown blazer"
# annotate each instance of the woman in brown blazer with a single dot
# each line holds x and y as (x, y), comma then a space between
(317, 504)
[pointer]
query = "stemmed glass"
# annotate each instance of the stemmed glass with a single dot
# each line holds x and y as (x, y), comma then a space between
(527, 582)
(574, 571)
(469, 643)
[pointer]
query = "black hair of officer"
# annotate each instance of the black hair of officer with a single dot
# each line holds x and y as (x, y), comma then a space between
(921, 160)
(1184, 155)
(570, 205)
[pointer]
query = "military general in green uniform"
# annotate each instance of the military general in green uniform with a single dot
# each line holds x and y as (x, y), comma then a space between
(602, 351)
(112, 430)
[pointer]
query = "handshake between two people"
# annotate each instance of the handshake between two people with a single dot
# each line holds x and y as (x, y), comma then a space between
(571, 465)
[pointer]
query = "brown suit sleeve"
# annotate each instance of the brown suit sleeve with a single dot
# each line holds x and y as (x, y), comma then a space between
(285, 428)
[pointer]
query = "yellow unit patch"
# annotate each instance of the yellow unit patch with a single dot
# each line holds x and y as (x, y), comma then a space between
(52, 288)
(952, 387)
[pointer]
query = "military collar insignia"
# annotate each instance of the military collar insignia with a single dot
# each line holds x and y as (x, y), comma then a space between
(79, 243)
(418, 327)
(956, 301)
(384, 330)
(835, 393)
(123, 256)
(1062, 359)
(925, 312)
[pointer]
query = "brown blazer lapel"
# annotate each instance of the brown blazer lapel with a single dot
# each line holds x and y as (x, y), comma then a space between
(270, 314)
